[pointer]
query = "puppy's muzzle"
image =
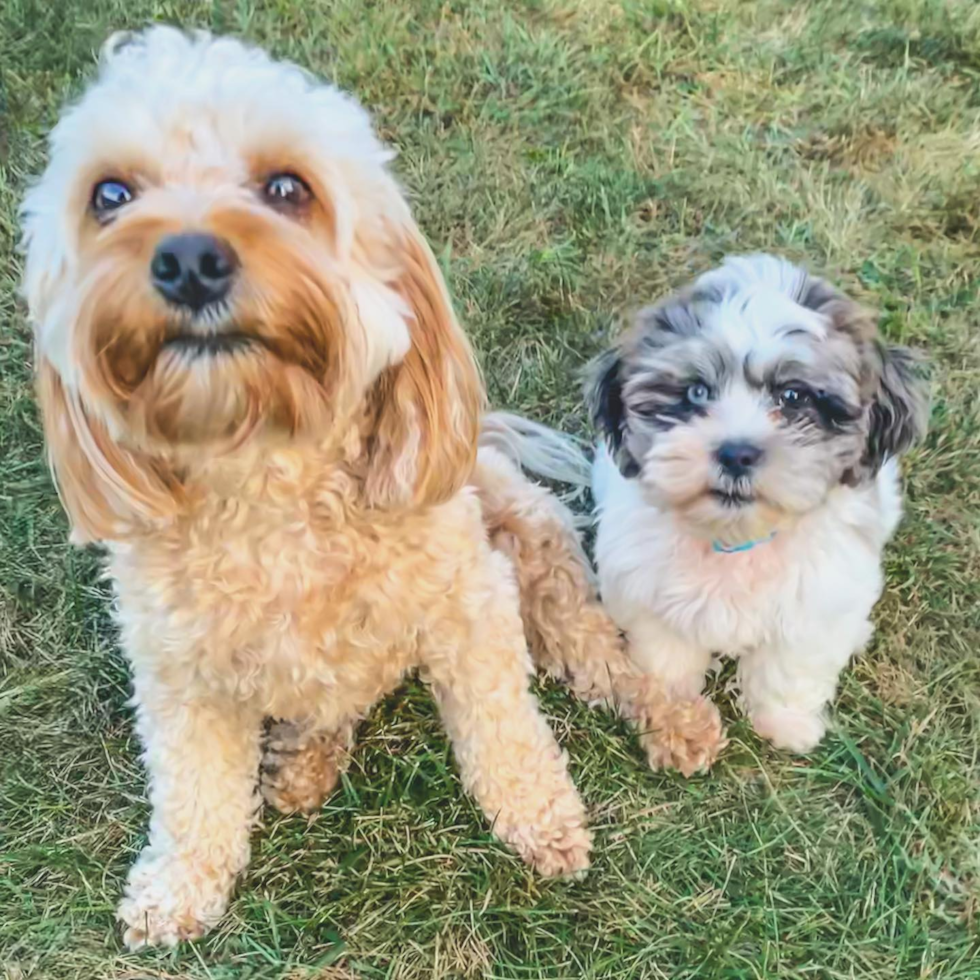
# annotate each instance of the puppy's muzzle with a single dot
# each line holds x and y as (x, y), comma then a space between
(738, 458)
(193, 270)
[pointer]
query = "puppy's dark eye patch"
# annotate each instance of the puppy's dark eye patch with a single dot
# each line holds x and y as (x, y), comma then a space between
(800, 401)
(668, 402)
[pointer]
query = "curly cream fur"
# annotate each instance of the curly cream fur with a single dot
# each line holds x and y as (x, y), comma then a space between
(340, 603)
(286, 520)
(571, 638)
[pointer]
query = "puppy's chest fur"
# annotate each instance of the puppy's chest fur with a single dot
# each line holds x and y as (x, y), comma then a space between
(288, 592)
(823, 571)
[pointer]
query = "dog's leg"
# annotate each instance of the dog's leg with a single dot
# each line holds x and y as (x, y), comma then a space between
(478, 664)
(202, 757)
(571, 636)
(301, 764)
(786, 688)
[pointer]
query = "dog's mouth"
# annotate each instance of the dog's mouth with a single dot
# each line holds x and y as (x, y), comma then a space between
(213, 344)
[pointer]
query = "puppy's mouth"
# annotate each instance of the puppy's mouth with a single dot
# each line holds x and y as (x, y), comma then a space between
(732, 498)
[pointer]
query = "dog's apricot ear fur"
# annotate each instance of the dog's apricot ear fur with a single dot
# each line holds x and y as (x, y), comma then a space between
(105, 489)
(427, 407)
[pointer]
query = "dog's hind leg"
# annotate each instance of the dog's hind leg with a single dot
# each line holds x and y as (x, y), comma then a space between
(570, 634)
(301, 763)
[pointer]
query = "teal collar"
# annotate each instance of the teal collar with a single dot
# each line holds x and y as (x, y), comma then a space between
(731, 549)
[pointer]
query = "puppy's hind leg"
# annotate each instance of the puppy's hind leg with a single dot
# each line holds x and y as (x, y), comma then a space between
(571, 636)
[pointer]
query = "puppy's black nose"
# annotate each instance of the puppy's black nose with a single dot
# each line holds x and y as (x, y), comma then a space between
(737, 458)
(193, 270)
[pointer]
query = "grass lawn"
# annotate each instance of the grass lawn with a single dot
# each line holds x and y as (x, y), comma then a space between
(569, 160)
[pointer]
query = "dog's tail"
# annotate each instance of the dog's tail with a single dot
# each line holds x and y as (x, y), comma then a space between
(538, 449)
(570, 635)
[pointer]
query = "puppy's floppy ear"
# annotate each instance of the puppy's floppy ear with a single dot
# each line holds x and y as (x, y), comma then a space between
(427, 407)
(894, 380)
(105, 489)
(899, 409)
(604, 398)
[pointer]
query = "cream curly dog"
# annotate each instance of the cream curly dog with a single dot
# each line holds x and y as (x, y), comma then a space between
(256, 395)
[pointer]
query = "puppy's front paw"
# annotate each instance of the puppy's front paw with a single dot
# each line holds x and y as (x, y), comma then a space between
(683, 735)
(795, 731)
(170, 899)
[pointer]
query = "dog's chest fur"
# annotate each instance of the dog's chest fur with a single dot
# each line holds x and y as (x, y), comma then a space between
(282, 592)
(824, 570)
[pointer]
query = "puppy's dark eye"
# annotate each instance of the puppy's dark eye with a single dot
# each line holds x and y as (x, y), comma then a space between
(286, 190)
(110, 195)
(794, 397)
(698, 394)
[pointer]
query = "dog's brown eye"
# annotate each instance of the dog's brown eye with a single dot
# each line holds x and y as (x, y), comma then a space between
(286, 189)
(110, 195)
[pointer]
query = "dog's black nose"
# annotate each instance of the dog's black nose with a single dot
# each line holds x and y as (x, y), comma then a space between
(193, 270)
(737, 458)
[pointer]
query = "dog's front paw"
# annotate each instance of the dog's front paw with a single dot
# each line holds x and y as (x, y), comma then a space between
(170, 899)
(554, 851)
(795, 731)
(554, 839)
(683, 735)
(568, 853)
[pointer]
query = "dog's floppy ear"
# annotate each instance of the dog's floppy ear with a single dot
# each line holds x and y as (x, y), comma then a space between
(105, 489)
(899, 410)
(427, 407)
(604, 398)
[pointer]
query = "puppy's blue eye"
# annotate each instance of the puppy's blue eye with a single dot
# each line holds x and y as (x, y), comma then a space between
(286, 189)
(110, 195)
(699, 394)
